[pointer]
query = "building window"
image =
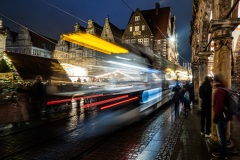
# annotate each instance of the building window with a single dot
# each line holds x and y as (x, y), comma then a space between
(127, 41)
(140, 41)
(130, 29)
(133, 41)
(143, 27)
(146, 41)
(158, 42)
(137, 18)
(136, 28)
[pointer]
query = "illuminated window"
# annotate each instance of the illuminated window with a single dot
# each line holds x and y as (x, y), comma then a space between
(146, 41)
(136, 28)
(127, 41)
(137, 18)
(140, 41)
(143, 27)
(158, 42)
(130, 29)
(133, 41)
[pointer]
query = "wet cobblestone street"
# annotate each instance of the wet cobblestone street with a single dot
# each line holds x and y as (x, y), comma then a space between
(158, 136)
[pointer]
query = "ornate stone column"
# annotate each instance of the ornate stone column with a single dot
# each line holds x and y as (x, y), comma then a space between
(195, 73)
(203, 68)
(222, 35)
(203, 60)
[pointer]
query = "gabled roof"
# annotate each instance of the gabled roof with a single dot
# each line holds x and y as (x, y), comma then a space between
(98, 29)
(29, 67)
(158, 23)
(117, 33)
(37, 40)
(43, 42)
(12, 35)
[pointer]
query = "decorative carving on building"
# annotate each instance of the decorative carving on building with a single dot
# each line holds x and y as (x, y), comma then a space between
(224, 7)
(219, 43)
(27, 42)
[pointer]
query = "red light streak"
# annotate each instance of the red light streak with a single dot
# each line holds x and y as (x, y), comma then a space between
(104, 101)
(70, 99)
(59, 101)
(128, 100)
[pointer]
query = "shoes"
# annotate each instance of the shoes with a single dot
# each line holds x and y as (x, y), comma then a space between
(217, 155)
(202, 133)
(207, 135)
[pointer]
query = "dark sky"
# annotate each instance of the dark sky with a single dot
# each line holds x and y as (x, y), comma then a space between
(54, 17)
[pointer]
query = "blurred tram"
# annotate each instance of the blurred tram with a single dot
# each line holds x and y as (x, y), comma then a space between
(140, 76)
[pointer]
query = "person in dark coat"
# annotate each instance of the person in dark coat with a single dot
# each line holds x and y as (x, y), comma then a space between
(221, 116)
(205, 93)
(23, 103)
(185, 99)
(176, 98)
(190, 88)
(37, 95)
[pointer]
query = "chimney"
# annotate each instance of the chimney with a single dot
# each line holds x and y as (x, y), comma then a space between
(157, 7)
(1, 23)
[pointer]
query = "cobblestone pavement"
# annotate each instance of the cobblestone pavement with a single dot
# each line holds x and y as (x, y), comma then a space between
(175, 139)
(191, 145)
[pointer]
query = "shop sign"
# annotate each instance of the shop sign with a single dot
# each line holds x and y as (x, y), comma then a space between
(6, 76)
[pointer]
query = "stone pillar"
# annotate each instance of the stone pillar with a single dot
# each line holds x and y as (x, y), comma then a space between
(222, 35)
(203, 68)
(195, 73)
(203, 61)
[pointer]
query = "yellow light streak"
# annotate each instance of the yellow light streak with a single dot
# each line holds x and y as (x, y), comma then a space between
(93, 42)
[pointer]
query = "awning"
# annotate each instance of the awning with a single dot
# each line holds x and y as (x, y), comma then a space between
(27, 67)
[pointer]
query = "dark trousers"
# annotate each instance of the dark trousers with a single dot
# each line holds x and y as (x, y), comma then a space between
(176, 108)
(206, 121)
(221, 127)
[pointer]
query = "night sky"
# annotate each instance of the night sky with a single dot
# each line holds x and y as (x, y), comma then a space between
(54, 17)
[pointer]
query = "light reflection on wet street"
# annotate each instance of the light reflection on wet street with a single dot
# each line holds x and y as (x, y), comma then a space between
(86, 133)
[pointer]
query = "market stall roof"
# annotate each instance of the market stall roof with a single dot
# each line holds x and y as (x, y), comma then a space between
(28, 67)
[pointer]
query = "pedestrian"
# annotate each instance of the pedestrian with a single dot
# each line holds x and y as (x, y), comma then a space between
(205, 93)
(50, 88)
(190, 88)
(221, 116)
(37, 96)
(185, 99)
(23, 103)
(176, 99)
(78, 80)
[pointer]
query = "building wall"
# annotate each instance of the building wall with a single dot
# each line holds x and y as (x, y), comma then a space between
(138, 31)
(23, 44)
(3, 36)
(2, 42)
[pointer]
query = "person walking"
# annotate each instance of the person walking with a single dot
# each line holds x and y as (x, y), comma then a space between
(185, 99)
(221, 116)
(37, 95)
(176, 99)
(205, 93)
(22, 103)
